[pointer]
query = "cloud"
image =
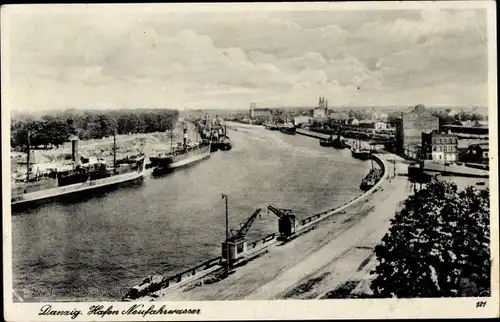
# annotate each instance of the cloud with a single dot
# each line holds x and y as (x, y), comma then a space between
(231, 59)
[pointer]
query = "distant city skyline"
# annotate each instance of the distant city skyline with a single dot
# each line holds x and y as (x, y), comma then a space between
(226, 60)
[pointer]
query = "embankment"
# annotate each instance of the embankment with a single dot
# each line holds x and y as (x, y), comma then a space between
(194, 275)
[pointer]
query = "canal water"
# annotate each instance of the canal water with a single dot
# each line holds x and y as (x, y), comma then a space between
(96, 249)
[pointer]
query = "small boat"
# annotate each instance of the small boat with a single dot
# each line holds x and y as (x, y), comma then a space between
(148, 285)
(359, 153)
(271, 127)
(288, 128)
(225, 143)
(326, 142)
(338, 143)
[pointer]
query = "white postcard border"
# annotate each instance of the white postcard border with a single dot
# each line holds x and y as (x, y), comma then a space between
(282, 309)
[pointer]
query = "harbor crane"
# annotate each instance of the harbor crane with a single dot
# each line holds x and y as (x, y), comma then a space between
(286, 221)
(244, 227)
(236, 244)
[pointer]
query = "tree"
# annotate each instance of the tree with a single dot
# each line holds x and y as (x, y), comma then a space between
(438, 245)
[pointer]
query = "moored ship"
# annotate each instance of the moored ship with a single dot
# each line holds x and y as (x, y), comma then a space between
(371, 179)
(338, 142)
(288, 128)
(80, 177)
(225, 143)
(182, 154)
(359, 153)
(272, 127)
(326, 142)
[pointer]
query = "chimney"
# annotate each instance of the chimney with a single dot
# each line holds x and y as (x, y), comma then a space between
(74, 150)
(185, 136)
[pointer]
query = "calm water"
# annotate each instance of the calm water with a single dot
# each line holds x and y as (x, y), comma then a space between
(96, 249)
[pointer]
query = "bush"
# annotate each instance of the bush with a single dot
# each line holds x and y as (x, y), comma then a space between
(437, 246)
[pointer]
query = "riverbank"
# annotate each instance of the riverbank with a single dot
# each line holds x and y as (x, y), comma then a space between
(317, 135)
(283, 267)
(175, 221)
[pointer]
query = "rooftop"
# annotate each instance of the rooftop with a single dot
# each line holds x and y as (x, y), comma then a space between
(483, 146)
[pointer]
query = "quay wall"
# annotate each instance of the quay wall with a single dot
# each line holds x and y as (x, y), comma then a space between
(306, 222)
(207, 266)
(253, 247)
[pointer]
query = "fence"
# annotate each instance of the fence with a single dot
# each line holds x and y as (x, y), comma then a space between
(331, 211)
(217, 261)
(262, 241)
(190, 272)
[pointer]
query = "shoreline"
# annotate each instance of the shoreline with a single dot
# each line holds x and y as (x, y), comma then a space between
(350, 209)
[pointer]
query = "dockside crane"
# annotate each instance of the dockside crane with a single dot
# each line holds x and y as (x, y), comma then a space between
(236, 245)
(244, 227)
(286, 221)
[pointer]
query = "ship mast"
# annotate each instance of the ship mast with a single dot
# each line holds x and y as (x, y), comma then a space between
(171, 136)
(114, 151)
(28, 158)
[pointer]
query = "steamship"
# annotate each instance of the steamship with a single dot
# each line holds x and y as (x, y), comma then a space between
(83, 175)
(360, 153)
(182, 154)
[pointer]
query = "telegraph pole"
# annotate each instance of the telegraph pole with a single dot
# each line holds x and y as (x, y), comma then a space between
(444, 155)
(114, 150)
(224, 196)
(394, 165)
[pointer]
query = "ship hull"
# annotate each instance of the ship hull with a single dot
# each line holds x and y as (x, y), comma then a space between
(362, 155)
(290, 131)
(153, 160)
(167, 164)
(338, 144)
(325, 143)
(77, 191)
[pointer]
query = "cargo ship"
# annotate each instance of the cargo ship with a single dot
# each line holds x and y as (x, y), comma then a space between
(272, 127)
(338, 142)
(288, 128)
(216, 135)
(81, 176)
(182, 154)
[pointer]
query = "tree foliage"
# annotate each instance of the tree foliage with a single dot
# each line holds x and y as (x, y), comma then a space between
(438, 245)
(56, 129)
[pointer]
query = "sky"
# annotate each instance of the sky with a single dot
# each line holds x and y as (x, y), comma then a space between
(229, 59)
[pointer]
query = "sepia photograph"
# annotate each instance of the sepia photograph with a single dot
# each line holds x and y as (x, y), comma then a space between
(225, 161)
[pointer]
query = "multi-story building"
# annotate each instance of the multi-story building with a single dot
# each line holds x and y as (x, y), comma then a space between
(263, 114)
(409, 130)
(322, 110)
(477, 129)
(477, 153)
(381, 126)
(440, 147)
(319, 113)
(301, 120)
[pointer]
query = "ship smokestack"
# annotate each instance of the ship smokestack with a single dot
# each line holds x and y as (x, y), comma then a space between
(185, 137)
(74, 150)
